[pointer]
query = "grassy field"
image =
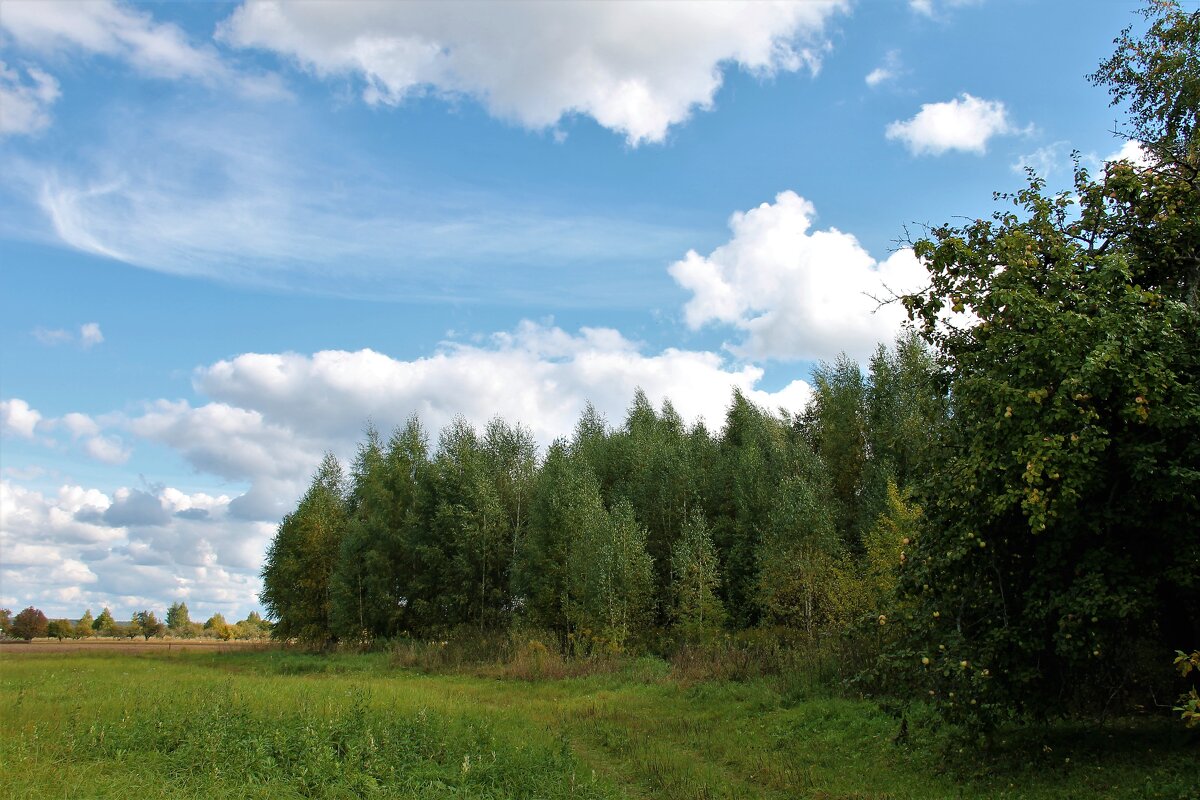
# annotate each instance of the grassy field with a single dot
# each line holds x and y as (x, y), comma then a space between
(281, 724)
(137, 645)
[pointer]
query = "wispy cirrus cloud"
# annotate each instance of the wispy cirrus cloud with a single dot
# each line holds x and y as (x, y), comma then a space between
(25, 100)
(226, 197)
(88, 337)
(109, 29)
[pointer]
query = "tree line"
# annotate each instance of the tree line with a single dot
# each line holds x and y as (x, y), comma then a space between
(1004, 508)
(32, 623)
(621, 534)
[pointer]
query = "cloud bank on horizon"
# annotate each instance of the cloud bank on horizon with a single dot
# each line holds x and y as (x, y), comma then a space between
(597, 197)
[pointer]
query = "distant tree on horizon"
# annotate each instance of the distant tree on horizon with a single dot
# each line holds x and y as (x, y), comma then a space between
(178, 618)
(83, 628)
(147, 624)
(30, 624)
(105, 625)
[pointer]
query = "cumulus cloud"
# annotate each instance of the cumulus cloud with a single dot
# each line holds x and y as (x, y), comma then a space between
(108, 449)
(636, 69)
(80, 548)
(25, 101)
(87, 432)
(267, 420)
(537, 374)
(270, 416)
(134, 507)
(796, 293)
(965, 123)
(79, 424)
(90, 335)
(16, 417)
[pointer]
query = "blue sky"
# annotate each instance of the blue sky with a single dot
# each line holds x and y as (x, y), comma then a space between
(231, 234)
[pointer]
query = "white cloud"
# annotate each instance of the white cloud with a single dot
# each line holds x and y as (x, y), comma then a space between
(25, 104)
(112, 29)
(90, 335)
(930, 8)
(23, 473)
(1134, 153)
(965, 123)
(52, 336)
(107, 449)
(79, 424)
(887, 71)
(636, 69)
(18, 418)
(273, 414)
(269, 418)
(796, 293)
(81, 548)
(237, 199)
(1045, 161)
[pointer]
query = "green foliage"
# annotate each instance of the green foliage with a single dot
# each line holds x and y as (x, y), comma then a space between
(1158, 77)
(651, 462)
(470, 525)
(1057, 552)
(29, 624)
(252, 627)
(836, 419)
(754, 455)
(178, 619)
(886, 543)
(380, 584)
(300, 560)
(798, 557)
(146, 624)
(105, 625)
(1189, 703)
(616, 597)
(482, 535)
(85, 627)
(5, 621)
(60, 629)
(696, 611)
(1076, 430)
(217, 626)
(565, 498)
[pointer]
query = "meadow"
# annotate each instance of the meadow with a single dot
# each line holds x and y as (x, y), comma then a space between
(258, 724)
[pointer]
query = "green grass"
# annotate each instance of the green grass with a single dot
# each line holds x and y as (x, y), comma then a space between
(279, 724)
